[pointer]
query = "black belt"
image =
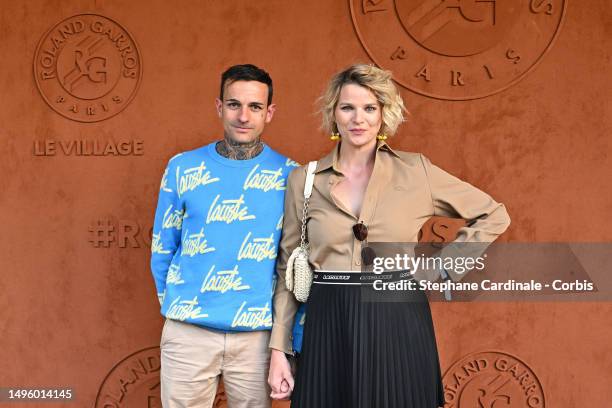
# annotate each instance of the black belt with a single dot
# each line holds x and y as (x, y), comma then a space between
(358, 278)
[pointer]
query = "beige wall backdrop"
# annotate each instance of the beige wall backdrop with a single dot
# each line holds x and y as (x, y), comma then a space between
(78, 189)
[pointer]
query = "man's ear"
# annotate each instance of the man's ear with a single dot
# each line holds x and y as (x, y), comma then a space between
(219, 105)
(270, 112)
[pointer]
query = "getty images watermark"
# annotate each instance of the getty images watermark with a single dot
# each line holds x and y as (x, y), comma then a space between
(499, 271)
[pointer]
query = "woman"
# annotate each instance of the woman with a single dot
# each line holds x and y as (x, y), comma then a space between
(359, 353)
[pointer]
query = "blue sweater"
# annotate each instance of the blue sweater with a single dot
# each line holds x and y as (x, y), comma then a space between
(215, 238)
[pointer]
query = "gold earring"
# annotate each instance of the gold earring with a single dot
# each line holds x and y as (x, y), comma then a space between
(335, 136)
(381, 137)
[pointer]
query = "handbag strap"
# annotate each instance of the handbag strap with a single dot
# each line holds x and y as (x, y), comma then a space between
(307, 193)
(309, 179)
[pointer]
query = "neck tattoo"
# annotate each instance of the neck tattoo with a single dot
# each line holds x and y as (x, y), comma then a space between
(239, 151)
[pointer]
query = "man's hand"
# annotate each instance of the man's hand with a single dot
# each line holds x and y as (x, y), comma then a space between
(280, 378)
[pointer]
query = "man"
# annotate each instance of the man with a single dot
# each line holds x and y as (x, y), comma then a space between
(215, 240)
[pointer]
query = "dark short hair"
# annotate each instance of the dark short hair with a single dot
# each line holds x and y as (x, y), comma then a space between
(246, 72)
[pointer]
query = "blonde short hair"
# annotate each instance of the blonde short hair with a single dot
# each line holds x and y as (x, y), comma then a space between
(379, 82)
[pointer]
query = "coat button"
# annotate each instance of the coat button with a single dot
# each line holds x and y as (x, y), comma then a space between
(358, 262)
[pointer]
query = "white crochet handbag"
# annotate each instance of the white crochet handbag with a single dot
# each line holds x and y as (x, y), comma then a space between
(298, 276)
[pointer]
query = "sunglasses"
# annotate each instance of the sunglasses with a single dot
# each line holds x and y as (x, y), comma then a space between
(360, 231)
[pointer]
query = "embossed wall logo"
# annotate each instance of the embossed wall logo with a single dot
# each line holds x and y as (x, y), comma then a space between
(492, 379)
(87, 68)
(457, 49)
(133, 382)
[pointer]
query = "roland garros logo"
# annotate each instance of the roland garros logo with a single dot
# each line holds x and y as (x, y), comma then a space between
(133, 382)
(87, 68)
(492, 379)
(457, 49)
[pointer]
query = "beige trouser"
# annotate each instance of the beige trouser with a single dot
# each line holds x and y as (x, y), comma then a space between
(193, 357)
